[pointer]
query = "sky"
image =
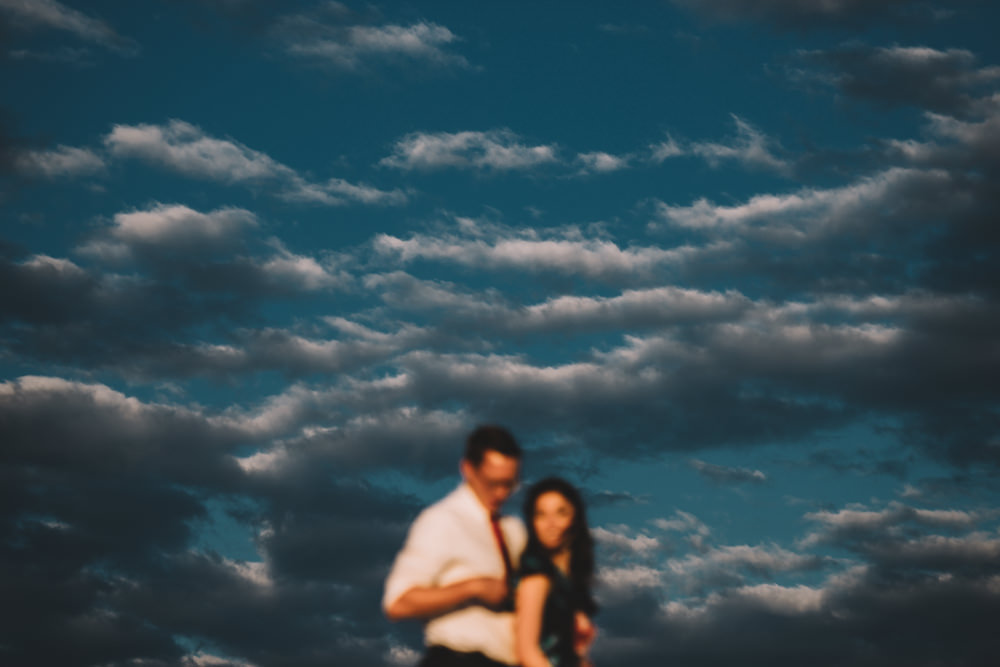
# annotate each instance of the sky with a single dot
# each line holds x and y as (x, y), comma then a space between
(729, 266)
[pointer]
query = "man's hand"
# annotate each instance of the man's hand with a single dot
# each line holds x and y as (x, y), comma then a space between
(491, 591)
(584, 633)
(424, 602)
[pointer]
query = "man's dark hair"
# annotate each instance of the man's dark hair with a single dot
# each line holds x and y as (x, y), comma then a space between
(489, 437)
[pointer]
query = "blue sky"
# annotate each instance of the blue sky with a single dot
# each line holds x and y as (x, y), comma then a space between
(728, 265)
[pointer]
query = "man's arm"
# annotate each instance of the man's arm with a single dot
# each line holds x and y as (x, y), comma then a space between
(425, 601)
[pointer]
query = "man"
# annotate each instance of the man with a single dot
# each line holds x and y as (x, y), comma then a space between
(454, 571)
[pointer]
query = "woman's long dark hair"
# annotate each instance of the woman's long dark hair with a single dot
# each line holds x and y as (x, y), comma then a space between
(581, 545)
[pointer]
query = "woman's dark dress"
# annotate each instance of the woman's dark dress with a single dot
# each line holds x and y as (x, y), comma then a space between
(558, 615)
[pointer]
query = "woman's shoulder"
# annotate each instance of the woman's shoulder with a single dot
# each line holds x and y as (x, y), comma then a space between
(533, 562)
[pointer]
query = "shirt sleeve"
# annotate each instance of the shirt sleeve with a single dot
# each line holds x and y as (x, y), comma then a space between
(420, 561)
(532, 563)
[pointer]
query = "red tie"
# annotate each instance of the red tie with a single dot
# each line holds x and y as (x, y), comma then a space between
(497, 533)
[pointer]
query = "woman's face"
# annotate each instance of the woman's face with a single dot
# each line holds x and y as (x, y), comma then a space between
(553, 517)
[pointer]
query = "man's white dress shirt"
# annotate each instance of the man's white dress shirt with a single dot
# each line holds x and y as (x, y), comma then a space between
(450, 541)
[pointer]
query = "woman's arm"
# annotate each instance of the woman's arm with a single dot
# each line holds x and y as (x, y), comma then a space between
(532, 592)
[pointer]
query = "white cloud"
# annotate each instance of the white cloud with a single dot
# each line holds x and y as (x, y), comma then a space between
(809, 211)
(178, 224)
(666, 150)
(301, 270)
(61, 161)
(336, 192)
(895, 514)
(256, 573)
(600, 162)
(981, 136)
(498, 150)
(955, 142)
(633, 308)
(186, 149)
(624, 580)
(353, 47)
(884, 524)
(641, 546)
(750, 147)
(790, 601)
(527, 250)
(682, 522)
(44, 264)
(768, 559)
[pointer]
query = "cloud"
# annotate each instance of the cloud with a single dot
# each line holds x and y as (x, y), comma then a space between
(199, 249)
(104, 512)
(800, 13)
(904, 580)
(187, 150)
(80, 426)
(632, 309)
(683, 522)
(184, 148)
(66, 161)
(861, 525)
(336, 192)
(618, 541)
(776, 623)
(66, 55)
(955, 144)
(55, 15)
(332, 36)
(494, 150)
(175, 224)
(729, 566)
(193, 281)
(602, 163)
(726, 474)
(800, 215)
(942, 81)
(534, 250)
(425, 441)
(750, 147)
(606, 497)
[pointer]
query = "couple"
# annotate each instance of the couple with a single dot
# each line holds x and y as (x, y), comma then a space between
(490, 592)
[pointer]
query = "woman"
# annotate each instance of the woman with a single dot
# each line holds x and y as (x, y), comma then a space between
(553, 602)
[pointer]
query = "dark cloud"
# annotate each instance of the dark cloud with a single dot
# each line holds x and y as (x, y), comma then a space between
(921, 569)
(101, 498)
(727, 474)
(866, 621)
(861, 462)
(948, 81)
(65, 425)
(53, 15)
(604, 498)
(804, 13)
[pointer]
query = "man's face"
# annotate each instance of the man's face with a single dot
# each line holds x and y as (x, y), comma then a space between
(494, 480)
